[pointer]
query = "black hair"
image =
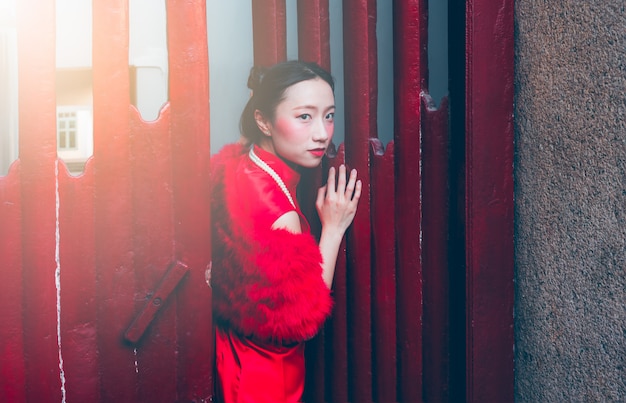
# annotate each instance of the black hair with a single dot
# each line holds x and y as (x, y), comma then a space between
(268, 87)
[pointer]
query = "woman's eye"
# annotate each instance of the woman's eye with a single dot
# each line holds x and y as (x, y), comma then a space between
(330, 116)
(304, 116)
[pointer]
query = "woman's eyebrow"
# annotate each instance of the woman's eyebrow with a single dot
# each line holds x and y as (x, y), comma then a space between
(313, 107)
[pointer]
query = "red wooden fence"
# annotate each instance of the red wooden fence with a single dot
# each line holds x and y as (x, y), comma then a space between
(85, 256)
(373, 344)
(410, 66)
(389, 337)
(102, 292)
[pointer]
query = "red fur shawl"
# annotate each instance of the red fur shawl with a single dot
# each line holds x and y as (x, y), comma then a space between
(266, 283)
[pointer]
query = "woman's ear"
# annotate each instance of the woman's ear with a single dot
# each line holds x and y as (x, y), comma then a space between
(262, 123)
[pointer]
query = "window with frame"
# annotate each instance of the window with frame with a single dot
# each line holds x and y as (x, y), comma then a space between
(66, 130)
(74, 135)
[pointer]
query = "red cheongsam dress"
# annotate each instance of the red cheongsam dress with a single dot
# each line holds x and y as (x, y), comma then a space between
(268, 292)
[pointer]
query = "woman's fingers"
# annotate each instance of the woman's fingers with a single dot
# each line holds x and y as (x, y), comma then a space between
(357, 192)
(351, 184)
(337, 201)
(321, 194)
(338, 183)
(341, 181)
(330, 183)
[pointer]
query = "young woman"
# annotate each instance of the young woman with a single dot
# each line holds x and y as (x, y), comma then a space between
(271, 279)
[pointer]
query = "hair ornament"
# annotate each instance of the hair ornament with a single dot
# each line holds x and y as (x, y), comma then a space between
(256, 77)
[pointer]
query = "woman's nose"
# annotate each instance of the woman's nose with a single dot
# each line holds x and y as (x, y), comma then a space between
(320, 132)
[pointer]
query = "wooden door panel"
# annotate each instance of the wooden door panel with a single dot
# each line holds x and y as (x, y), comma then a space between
(104, 291)
(84, 254)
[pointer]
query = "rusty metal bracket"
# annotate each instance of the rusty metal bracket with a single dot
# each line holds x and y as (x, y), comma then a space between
(168, 283)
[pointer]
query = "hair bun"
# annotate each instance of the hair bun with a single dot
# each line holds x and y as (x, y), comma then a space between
(256, 76)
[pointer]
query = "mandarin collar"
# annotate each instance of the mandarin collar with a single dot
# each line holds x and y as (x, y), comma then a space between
(290, 176)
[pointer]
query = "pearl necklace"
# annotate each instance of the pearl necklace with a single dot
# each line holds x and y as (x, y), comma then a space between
(261, 164)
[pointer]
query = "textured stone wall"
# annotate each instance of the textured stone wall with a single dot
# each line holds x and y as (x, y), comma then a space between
(570, 200)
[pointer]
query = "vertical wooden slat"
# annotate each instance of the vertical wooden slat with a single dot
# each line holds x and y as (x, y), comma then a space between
(384, 274)
(337, 328)
(113, 178)
(360, 59)
(269, 26)
(489, 199)
(153, 250)
(79, 341)
(314, 32)
(189, 100)
(435, 251)
(410, 67)
(12, 371)
(37, 149)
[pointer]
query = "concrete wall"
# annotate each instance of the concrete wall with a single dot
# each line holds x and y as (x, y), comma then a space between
(570, 201)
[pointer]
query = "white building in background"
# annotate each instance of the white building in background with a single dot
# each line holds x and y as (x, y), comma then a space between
(229, 30)
(8, 86)
(74, 85)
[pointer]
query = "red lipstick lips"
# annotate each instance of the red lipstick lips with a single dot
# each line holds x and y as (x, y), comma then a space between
(318, 152)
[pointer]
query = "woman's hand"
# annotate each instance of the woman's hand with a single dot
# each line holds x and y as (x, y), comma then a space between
(337, 204)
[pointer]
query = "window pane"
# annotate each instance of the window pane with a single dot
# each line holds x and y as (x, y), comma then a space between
(74, 82)
(62, 140)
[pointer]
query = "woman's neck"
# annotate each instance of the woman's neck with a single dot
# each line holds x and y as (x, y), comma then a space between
(267, 145)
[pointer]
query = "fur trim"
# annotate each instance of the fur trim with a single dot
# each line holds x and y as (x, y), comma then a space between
(265, 285)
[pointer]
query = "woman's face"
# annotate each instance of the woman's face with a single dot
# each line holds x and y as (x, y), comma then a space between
(303, 123)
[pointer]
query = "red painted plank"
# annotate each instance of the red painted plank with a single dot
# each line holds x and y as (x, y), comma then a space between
(36, 67)
(314, 32)
(360, 59)
(12, 370)
(269, 26)
(384, 273)
(337, 329)
(435, 254)
(79, 341)
(189, 101)
(113, 195)
(410, 67)
(153, 249)
(489, 200)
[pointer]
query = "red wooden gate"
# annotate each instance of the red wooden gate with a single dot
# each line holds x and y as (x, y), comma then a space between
(83, 257)
(102, 291)
(389, 338)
